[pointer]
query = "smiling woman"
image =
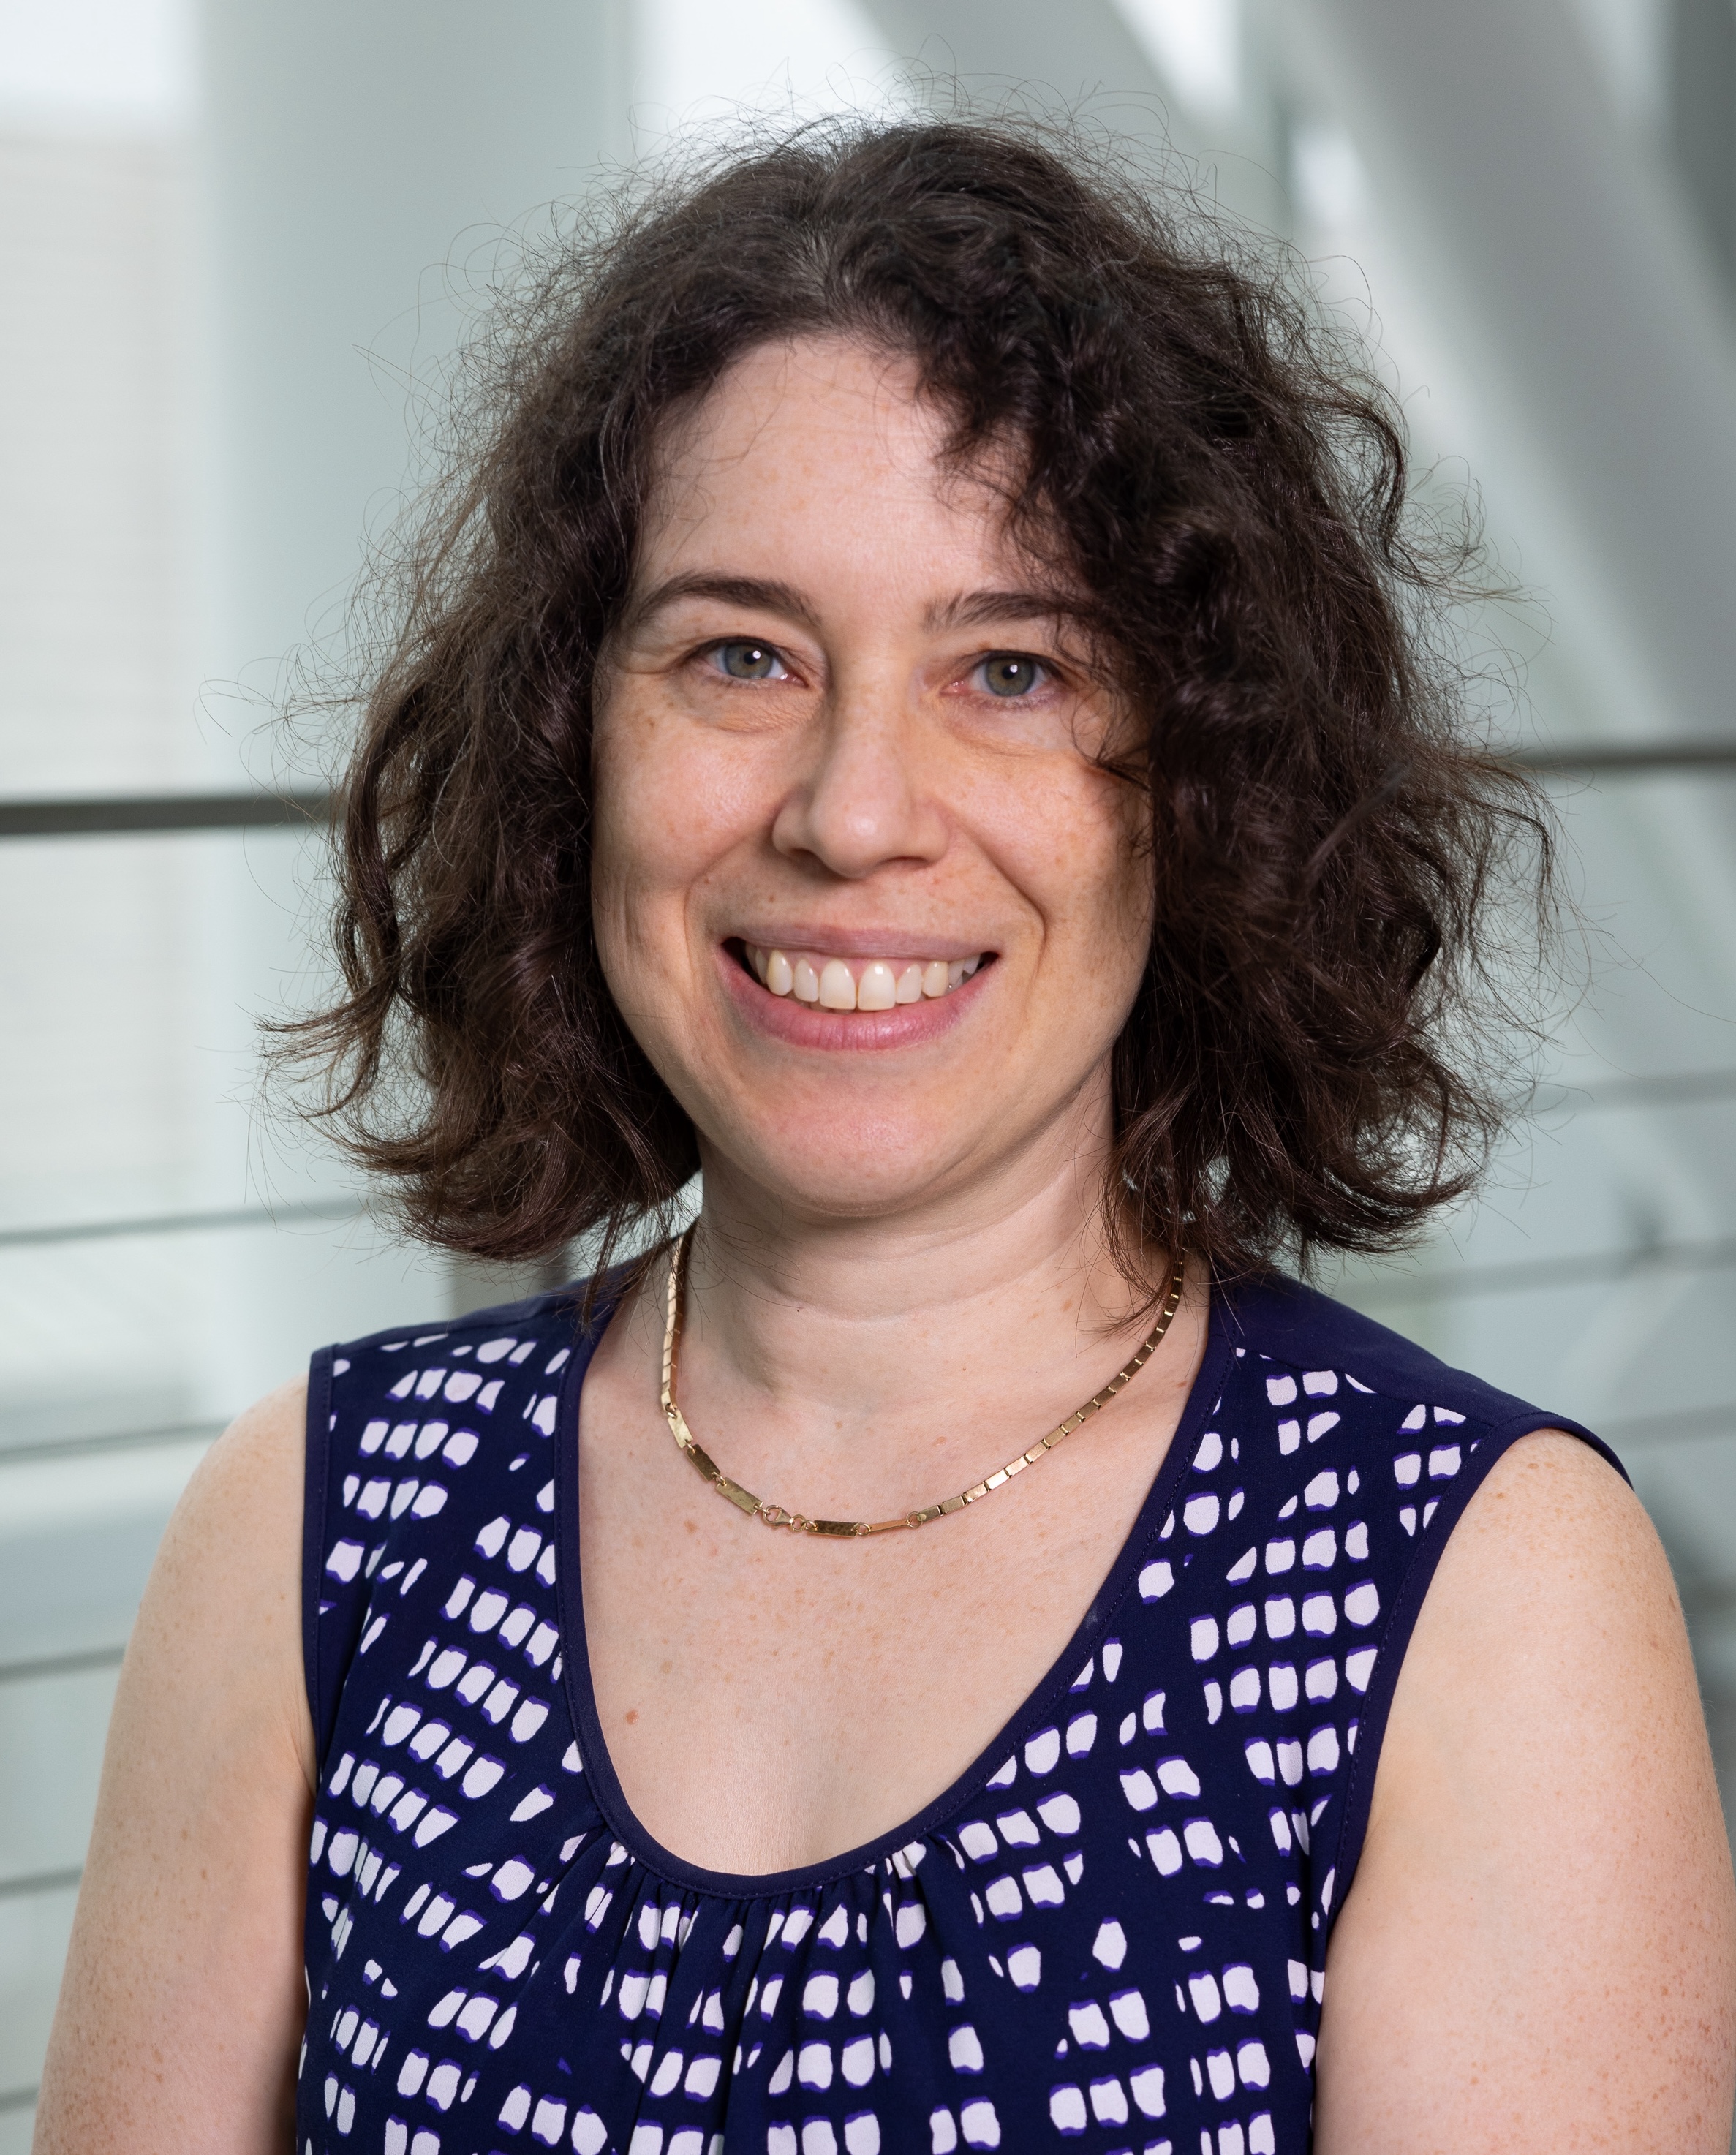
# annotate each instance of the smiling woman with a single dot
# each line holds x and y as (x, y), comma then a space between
(1201, 547)
(869, 795)
(917, 710)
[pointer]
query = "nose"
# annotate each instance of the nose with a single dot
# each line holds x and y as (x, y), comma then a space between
(866, 800)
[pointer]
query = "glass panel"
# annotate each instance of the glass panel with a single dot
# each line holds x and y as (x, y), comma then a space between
(1594, 1276)
(98, 674)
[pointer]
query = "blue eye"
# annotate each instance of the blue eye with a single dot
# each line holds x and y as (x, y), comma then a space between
(1010, 674)
(745, 660)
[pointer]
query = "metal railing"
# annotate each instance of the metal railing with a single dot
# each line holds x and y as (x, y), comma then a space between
(75, 816)
(179, 1223)
(114, 816)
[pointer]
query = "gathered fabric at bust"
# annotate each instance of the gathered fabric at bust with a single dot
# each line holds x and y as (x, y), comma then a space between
(1108, 1934)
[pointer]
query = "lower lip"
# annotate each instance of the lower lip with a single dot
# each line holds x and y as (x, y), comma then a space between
(807, 1025)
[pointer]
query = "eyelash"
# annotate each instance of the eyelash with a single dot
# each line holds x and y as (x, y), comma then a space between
(1047, 672)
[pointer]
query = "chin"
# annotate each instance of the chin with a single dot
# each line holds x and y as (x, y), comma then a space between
(844, 1168)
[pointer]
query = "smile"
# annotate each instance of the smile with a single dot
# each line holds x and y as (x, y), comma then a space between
(857, 984)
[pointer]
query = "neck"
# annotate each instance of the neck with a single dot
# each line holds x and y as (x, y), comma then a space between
(856, 1327)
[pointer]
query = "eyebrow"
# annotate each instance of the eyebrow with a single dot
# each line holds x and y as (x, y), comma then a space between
(983, 609)
(967, 610)
(756, 592)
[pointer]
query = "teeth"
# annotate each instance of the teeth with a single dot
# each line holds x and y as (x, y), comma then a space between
(875, 984)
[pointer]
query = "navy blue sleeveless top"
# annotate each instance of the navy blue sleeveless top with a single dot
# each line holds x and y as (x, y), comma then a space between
(1108, 1934)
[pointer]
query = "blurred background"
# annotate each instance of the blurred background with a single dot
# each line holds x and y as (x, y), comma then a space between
(237, 244)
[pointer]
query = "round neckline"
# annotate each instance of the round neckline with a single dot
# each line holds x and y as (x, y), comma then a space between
(1037, 1705)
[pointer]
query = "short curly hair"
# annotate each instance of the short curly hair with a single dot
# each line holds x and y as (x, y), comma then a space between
(1213, 463)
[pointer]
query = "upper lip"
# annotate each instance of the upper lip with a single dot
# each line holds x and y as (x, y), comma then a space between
(890, 942)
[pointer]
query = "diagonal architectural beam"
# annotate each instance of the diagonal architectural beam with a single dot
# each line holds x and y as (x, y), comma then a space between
(1562, 260)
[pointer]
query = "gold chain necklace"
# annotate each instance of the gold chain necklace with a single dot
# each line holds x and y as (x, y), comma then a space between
(775, 1515)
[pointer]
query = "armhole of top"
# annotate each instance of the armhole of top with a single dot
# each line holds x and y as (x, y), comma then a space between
(313, 1534)
(1395, 1640)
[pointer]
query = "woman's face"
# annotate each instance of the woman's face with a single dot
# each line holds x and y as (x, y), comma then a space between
(862, 893)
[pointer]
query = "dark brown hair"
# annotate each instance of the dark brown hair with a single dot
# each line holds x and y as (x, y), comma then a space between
(1230, 489)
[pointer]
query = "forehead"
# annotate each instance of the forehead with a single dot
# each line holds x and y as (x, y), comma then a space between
(824, 446)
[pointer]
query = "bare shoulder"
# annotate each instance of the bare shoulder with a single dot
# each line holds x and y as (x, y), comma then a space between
(1554, 1514)
(1539, 1948)
(181, 2006)
(261, 1455)
(1553, 1610)
(223, 1607)
(244, 1501)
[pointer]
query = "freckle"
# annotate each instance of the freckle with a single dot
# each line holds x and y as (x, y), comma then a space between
(691, 1525)
(665, 1668)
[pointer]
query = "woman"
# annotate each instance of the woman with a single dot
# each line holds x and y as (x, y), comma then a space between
(918, 714)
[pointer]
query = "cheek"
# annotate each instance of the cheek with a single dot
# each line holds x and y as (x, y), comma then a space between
(651, 810)
(1120, 913)
(633, 835)
(670, 805)
(1115, 860)
(1099, 911)
(1076, 844)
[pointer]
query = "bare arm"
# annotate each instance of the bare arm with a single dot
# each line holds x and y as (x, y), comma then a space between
(181, 2007)
(1538, 1953)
